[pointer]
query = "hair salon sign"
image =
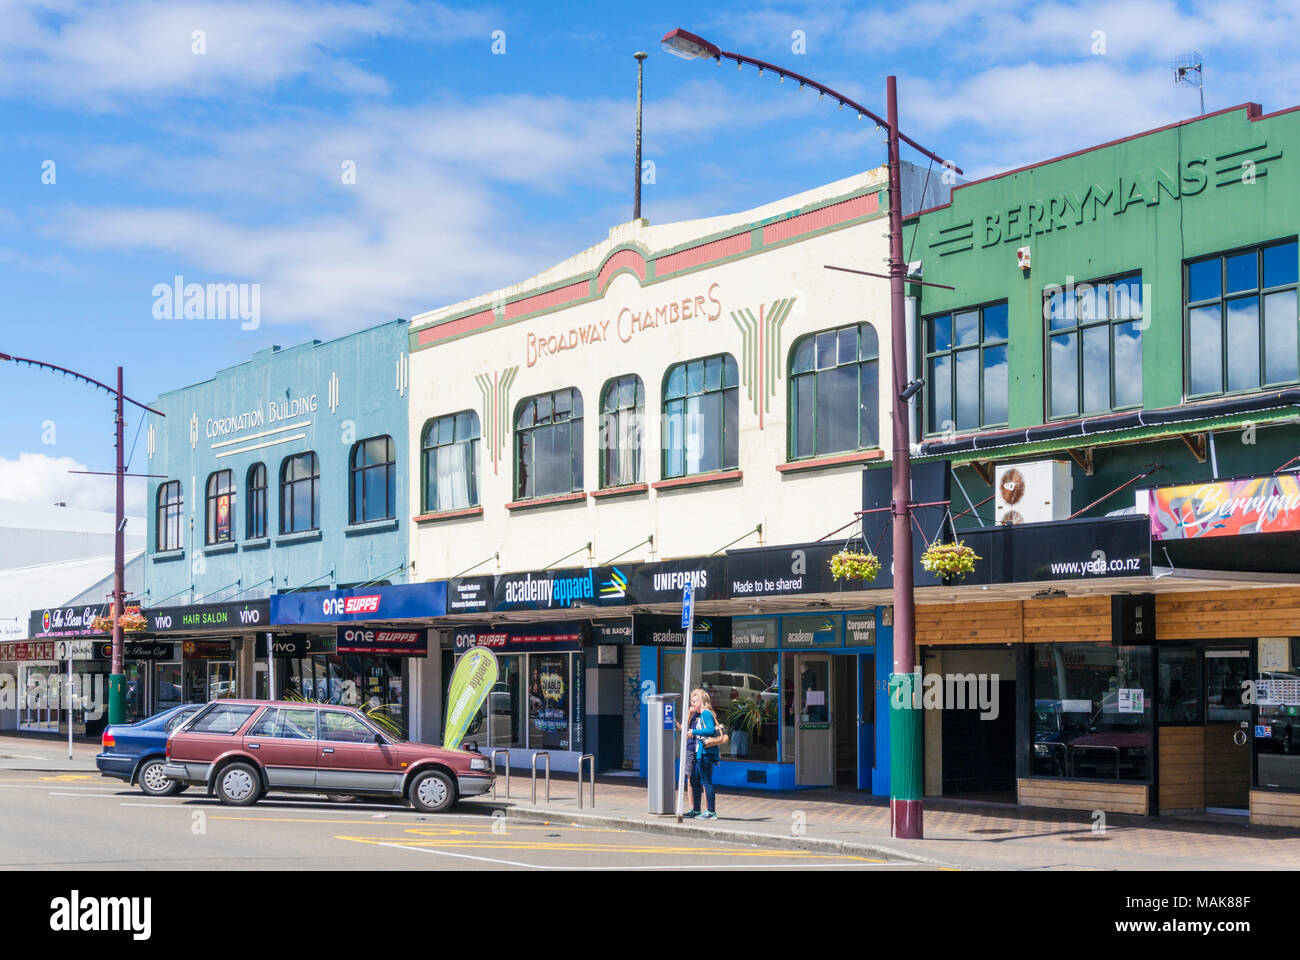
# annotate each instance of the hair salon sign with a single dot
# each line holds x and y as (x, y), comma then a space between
(1226, 508)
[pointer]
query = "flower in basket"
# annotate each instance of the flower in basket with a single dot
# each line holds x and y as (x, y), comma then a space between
(852, 565)
(949, 559)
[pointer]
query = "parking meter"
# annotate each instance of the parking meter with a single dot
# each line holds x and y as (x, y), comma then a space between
(661, 773)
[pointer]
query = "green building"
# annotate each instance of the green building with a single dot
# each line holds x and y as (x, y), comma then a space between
(1121, 338)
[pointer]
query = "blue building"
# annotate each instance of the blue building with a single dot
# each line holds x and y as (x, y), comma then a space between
(282, 474)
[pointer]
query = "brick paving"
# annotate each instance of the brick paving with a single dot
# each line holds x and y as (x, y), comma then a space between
(972, 835)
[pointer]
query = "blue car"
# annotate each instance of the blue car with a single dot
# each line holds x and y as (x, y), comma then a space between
(136, 752)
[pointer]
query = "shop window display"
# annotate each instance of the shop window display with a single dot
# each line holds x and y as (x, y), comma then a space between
(745, 694)
(1092, 714)
(1277, 726)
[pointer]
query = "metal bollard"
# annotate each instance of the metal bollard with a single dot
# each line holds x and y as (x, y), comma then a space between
(494, 770)
(592, 769)
(547, 755)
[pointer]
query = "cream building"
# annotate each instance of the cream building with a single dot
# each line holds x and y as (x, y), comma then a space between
(589, 439)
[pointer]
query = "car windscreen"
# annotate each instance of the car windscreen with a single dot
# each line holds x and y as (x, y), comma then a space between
(224, 718)
(176, 720)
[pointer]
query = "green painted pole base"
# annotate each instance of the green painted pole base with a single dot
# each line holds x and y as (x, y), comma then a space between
(906, 755)
(117, 698)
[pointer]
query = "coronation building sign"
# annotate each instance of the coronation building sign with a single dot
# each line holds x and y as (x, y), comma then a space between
(274, 411)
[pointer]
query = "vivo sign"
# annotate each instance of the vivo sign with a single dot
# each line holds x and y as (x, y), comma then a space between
(404, 601)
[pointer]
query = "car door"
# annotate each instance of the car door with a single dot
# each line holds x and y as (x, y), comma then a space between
(350, 760)
(284, 740)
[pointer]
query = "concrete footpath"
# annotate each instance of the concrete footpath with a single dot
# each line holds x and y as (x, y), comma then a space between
(961, 835)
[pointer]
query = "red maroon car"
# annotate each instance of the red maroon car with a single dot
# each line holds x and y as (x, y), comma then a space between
(240, 749)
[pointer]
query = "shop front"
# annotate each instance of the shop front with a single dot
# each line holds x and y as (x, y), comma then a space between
(796, 692)
(538, 703)
(215, 657)
(357, 646)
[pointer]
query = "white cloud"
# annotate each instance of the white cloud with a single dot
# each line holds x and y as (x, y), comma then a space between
(99, 55)
(38, 478)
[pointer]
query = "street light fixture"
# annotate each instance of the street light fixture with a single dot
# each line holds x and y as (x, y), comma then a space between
(906, 758)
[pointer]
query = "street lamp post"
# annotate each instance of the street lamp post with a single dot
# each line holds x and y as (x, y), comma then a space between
(906, 757)
(117, 675)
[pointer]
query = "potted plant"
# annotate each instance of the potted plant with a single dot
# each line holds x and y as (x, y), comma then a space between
(744, 719)
(949, 560)
(855, 565)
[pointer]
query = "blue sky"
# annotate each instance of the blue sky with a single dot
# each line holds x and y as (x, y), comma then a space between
(476, 169)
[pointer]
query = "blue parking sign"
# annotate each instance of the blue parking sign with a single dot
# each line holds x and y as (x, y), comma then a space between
(670, 712)
(688, 605)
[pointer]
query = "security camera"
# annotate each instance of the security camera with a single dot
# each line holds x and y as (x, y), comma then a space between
(912, 389)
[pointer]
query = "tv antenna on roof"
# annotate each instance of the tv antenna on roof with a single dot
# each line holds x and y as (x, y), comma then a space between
(1189, 71)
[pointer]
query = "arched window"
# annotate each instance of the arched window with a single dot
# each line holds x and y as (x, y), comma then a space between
(701, 416)
(256, 501)
(835, 392)
(374, 480)
(450, 446)
(548, 444)
(221, 507)
(622, 410)
(300, 493)
(169, 516)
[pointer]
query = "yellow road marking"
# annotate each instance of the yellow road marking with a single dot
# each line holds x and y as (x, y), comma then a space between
(71, 776)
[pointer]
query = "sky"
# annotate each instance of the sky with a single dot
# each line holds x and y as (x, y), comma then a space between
(356, 162)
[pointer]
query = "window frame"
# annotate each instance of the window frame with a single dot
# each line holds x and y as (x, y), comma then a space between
(576, 483)
(313, 482)
(1050, 332)
(168, 513)
(792, 439)
(426, 476)
(980, 345)
(211, 503)
(729, 394)
(358, 511)
(1259, 292)
(256, 497)
(611, 429)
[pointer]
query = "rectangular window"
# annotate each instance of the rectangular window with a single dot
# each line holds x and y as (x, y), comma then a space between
(701, 417)
(1241, 320)
(966, 368)
(1093, 346)
(1093, 715)
(742, 686)
(548, 445)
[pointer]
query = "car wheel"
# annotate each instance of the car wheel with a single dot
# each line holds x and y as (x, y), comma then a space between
(238, 785)
(432, 791)
(151, 781)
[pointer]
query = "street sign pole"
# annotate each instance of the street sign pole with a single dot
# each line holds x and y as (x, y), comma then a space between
(270, 666)
(68, 697)
(688, 622)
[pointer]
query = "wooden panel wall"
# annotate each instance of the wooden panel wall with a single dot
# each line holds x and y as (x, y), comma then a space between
(1075, 795)
(1182, 769)
(1069, 619)
(1268, 809)
(995, 621)
(1270, 612)
(1227, 767)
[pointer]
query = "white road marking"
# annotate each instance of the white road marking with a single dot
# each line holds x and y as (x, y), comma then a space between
(688, 866)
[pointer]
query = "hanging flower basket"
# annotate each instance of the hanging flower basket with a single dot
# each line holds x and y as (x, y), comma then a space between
(949, 560)
(850, 565)
(132, 622)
